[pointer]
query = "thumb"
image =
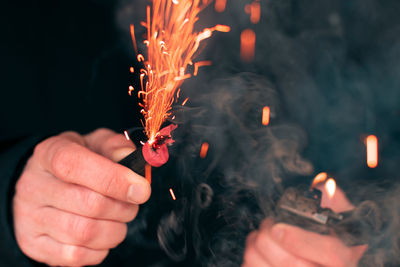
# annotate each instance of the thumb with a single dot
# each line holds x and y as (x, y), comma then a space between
(109, 144)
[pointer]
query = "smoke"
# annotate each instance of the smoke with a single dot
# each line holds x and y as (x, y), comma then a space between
(329, 71)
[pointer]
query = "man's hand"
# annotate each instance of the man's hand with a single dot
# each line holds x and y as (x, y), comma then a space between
(283, 245)
(73, 201)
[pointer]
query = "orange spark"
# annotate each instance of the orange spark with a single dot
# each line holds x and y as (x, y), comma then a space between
(171, 47)
(172, 194)
(371, 143)
(127, 135)
(147, 172)
(255, 12)
(320, 178)
(131, 69)
(247, 45)
(134, 38)
(184, 101)
(330, 187)
(200, 64)
(220, 5)
(266, 115)
(204, 150)
(130, 89)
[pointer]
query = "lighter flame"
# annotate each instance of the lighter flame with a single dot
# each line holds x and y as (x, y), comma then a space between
(330, 187)
(320, 178)
(171, 45)
(204, 150)
(371, 143)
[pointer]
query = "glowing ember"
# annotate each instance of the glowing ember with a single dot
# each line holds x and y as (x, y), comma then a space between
(371, 143)
(247, 45)
(204, 150)
(255, 12)
(320, 178)
(266, 115)
(171, 46)
(220, 5)
(131, 69)
(330, 187)
(130, 90)
(147, 172)
(172, 194)
(127, 135)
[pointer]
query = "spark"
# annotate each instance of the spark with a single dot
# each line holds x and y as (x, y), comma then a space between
(133, 38)
(131, 69)
(266, 115)
(220, 5)
(147, 172)
(200, 64)
(172, 194)
(255, 12)
(247, 45)
(171, 47)
(184, 101)
(330, 187)
(371, 143)
(127, 135)
(130, 90)
(204, 150)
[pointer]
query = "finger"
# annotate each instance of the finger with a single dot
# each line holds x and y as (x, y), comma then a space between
(252, 257)
(77, 230)
(47, 250)
(272, 252)
(109, 144)
(73, 163)
(321, 249)
(47, 190)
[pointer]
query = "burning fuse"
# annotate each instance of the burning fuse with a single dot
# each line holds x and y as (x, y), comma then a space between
(302, 207)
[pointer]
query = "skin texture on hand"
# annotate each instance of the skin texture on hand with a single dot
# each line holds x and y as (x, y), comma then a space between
(283, 245)
(73, 200)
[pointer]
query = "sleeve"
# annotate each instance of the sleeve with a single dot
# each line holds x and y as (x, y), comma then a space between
(13, 156)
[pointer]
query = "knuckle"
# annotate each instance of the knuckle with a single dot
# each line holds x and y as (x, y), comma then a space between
(94, 203)
(109, 182)
(63, 160)
(261, 240)
(83, 230)
(73, 255)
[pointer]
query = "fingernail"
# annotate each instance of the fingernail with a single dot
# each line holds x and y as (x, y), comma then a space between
(137, 193)
(121, 153)
(277, 232)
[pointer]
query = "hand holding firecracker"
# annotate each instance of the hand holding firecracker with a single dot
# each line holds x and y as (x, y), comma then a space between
(73, 201)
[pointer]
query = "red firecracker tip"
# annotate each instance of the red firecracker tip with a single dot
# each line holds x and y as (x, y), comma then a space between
(156, 153)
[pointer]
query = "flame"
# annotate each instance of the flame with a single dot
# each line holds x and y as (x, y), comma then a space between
(319, 178)
(266, 115)
(204, 150)
(147, 172)
(172, 194)
(171, 46)
(247, 45)
(330, 187)
(371, 143)
(220, 5)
